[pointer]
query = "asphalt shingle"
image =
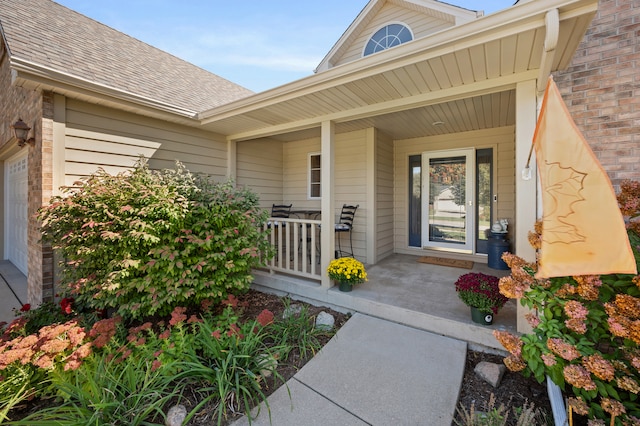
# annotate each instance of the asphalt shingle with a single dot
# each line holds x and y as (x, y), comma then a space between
(53, 36)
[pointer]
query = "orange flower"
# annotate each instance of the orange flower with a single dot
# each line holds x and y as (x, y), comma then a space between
(628, 383)
(588, 286)
(563, 349)
(510, 342)
(579, 377)
(599, 367)
(613, 407)
(579, 405)
(627, 305)
(514, 363)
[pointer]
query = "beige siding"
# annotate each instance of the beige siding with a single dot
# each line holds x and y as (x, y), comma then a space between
(501, 139)
(259, 167)
(419, 24)
(96, 137)
(296, 174)
(350, 179)
(384, 196)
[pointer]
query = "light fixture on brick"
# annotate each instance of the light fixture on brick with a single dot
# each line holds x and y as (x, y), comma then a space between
(21, 131)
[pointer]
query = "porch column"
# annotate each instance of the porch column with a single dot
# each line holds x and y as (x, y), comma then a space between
(327, 236)
(526, 190)
(232, 155)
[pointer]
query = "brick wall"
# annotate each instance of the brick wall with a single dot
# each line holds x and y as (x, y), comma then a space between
(602, 88)
(17, 102)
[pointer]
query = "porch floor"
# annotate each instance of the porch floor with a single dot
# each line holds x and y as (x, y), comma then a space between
(402, 290)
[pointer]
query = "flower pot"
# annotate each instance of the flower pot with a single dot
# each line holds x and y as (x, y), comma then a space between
(345, 286)
(480, 317)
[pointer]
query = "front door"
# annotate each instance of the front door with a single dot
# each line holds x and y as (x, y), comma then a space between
(448, 200)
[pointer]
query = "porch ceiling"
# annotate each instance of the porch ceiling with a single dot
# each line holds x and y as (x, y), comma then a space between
(463, 77)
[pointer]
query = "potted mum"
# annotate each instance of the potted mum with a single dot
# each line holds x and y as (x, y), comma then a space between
(347, 271)
(481, 293)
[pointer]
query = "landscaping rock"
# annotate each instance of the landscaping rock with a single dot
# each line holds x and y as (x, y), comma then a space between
(325, 321)
(292, 310)
(490, 372)
(176, 415)
(267, 364)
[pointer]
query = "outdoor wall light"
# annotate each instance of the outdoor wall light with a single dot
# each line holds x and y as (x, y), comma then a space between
(21, 131)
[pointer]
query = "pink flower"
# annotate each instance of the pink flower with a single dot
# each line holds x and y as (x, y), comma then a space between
(178, 316)
(265, 317)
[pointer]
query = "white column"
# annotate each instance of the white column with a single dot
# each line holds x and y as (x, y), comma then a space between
(526, 190)
(327, 234)
(232, 156)
(371, 204)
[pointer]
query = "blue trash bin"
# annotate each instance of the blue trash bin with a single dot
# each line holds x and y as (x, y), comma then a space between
(497, 244)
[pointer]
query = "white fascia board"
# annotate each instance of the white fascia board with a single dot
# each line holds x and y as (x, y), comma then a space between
(30, 71)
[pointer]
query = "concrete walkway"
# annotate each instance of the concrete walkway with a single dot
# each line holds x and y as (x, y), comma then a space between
(373, 372)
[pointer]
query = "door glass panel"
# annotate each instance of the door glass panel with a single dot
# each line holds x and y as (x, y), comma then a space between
(448, 194)
(415, 200)
(484, 197)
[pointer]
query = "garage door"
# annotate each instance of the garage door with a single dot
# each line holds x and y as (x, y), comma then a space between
(16, 211)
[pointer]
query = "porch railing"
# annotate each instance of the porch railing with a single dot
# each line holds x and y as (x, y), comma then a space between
(297, 246)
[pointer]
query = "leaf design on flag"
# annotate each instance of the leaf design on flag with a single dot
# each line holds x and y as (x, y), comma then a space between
(563, 184)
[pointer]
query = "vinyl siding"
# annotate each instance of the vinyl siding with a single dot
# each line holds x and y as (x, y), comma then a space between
(501, 139)
(419, 24)
(97, 136)
(260, 167)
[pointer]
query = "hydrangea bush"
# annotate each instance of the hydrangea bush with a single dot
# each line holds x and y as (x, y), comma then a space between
(586, 330)
(145, 241)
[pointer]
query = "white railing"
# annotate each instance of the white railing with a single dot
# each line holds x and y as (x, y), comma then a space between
(297, 246)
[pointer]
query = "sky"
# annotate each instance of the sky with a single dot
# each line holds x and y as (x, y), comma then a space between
(258, 44)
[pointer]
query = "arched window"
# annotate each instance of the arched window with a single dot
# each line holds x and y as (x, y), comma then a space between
(386, 37)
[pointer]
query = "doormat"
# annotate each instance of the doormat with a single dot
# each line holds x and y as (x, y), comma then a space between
(443, 261)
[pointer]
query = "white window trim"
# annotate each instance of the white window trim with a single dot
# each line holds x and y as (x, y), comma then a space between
(309, 196)
(386, 24)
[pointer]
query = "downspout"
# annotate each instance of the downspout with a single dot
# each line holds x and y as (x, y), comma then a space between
(552, 26)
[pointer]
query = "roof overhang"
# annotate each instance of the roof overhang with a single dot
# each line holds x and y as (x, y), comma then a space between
(480, 61)
(35, 76)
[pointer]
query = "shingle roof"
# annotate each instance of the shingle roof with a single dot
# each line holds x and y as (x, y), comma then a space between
(51, 35)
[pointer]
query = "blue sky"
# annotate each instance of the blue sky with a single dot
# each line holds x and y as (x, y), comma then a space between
(259, 44)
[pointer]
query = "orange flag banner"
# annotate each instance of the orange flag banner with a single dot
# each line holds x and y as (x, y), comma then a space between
(583, 231)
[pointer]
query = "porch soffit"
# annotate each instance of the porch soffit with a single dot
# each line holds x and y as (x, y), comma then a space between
(463, 76)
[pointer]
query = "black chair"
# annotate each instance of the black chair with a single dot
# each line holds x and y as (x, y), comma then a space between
(345, 224)
(279, 211)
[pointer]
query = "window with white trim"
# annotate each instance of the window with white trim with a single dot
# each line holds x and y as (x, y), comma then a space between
(315, 173)
(386, 37)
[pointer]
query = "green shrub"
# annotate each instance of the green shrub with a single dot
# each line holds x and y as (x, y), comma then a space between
(586, 331)
(143, 242)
